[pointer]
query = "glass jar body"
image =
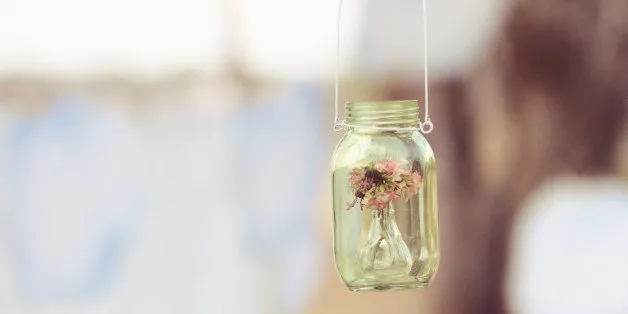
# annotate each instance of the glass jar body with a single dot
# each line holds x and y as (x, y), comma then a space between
(395, 246)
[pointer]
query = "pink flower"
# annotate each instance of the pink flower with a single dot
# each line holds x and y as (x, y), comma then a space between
(396, 176)
(390, 166)
(392, 196)
(379, 201)
(416, 179)
(378, 184)
(412, 191)
(371, 203)
(382, 197)
(356, 174)
(356, 177)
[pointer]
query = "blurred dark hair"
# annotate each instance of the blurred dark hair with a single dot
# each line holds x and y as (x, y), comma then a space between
(560, 69)
(576, 54)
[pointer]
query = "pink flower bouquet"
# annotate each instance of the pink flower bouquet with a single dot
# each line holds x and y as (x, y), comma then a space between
(380, 183)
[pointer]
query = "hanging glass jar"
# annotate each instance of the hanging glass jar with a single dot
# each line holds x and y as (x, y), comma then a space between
(385, 199)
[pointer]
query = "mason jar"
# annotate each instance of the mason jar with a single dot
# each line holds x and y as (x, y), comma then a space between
(385, 202)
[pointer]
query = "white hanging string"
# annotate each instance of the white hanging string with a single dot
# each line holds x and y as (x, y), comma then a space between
(427, 126)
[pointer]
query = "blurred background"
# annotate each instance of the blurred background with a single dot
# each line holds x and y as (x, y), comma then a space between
(173, 156)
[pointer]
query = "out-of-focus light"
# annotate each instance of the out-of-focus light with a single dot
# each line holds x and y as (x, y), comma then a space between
(78, 37)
